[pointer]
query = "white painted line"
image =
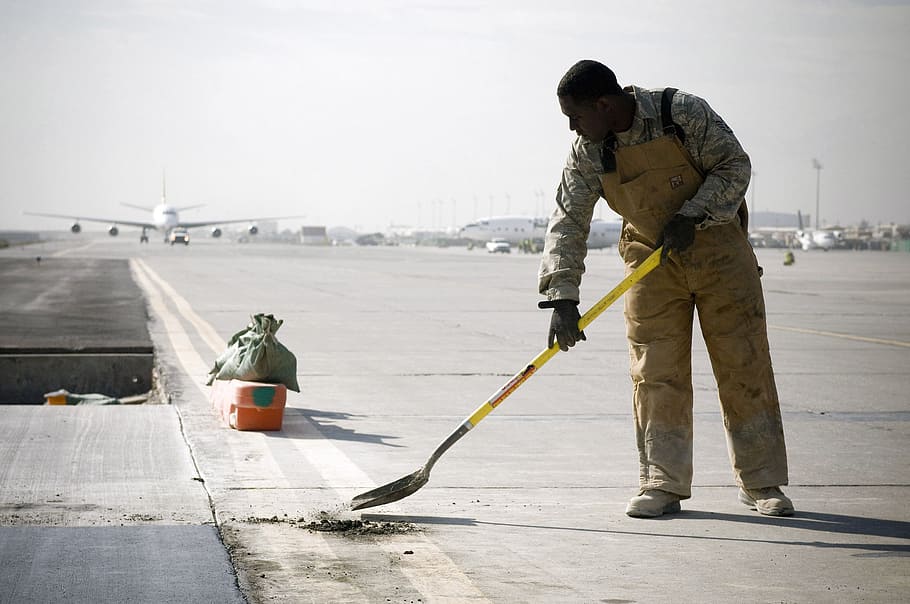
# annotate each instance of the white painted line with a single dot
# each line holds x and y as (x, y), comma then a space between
(844, 336)
(189, 358)
(205, 330)
(429, 570)
(432, 573)
(320, 584)
(192, 363)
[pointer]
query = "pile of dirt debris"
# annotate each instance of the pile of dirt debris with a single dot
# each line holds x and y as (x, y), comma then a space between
(328, 522)
(359, 527)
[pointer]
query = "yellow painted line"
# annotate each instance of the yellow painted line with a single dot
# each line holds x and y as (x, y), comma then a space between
(844, 336)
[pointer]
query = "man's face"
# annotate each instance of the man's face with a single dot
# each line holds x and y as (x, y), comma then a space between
(590, 119)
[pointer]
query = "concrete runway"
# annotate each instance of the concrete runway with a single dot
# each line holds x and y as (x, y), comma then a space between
(395, 347)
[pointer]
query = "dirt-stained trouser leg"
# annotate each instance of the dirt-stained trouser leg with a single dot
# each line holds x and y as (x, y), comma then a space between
(731, 309)
(659, 312)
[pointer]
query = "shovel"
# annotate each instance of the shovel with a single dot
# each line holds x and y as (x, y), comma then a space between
(409, 484)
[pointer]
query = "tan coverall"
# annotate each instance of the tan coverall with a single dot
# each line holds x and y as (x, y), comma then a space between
(718, 275)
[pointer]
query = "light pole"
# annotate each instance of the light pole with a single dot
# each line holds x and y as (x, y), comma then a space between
(818, 182)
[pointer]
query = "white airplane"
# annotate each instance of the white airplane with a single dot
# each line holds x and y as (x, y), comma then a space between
(164, 219)
(516, 229)
(812, 239)
(802, 237)
(604, 233)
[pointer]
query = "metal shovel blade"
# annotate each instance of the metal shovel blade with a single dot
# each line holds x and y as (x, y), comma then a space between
(393, 491)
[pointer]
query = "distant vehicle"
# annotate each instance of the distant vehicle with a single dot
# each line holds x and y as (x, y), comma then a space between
(516, 229)
(370, 239)
(164, 218)
(179, 236)
(499, 246)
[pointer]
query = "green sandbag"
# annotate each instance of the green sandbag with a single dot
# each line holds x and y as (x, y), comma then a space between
(254, 354)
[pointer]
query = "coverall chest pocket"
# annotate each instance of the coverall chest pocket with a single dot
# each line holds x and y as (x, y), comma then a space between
(648, 200)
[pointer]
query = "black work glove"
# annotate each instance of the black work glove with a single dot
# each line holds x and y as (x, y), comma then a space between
(678, 235)
(563, 323)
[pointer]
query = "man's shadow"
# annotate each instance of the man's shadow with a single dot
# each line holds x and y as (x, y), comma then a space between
(839, 524)
(804, 521)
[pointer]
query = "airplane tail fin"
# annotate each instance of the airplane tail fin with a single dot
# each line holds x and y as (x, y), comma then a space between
(164, 195)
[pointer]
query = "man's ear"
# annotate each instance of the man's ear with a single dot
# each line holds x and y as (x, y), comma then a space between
(604, 104)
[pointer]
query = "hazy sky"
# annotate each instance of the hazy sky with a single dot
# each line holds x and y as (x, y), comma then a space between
(367, 113)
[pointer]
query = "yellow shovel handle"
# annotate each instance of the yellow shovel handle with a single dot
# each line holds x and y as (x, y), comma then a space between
(519, 378)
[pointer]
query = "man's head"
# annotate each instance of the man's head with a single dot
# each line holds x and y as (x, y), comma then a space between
(594, 102)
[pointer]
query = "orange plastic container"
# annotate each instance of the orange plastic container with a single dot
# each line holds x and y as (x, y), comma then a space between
(57, 397)
(249, 405)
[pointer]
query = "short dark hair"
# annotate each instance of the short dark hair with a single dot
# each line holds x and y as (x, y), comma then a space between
(588, 80)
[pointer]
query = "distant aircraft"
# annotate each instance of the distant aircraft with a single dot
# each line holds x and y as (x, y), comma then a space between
(164, 218)
(805, 238)
(516, 229)
(604, 233)
(811, 239)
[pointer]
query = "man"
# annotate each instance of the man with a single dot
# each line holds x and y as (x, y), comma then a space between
(671, 167)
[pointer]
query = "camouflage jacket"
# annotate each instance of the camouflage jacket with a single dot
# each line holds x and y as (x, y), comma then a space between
(713, 146)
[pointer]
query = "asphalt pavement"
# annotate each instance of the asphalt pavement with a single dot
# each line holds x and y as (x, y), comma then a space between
(395, 346)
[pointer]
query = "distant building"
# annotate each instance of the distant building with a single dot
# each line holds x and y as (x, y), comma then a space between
(8, 238)
(314, 235)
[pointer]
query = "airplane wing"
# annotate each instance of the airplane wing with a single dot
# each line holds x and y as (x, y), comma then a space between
(202, 223)
(132, 223)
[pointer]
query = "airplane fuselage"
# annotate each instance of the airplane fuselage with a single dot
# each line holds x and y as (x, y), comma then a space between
(513, 229)
(164, 217)
(516, 229)
(817, 240)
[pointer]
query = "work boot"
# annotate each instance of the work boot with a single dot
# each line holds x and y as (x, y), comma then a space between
(653, 503)
(770, 501)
